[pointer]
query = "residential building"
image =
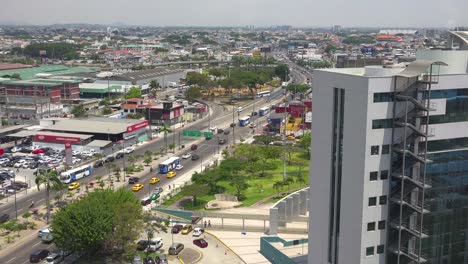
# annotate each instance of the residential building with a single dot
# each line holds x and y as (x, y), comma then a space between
(389, 166)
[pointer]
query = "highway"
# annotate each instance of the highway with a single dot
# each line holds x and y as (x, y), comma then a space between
(206, 150)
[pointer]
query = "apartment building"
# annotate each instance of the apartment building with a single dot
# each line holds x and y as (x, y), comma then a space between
(389, 166)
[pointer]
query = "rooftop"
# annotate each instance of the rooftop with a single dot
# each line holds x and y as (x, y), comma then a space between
(30, 73)
(12, 66)
(39, 82)
(142, 75)
(95, 125)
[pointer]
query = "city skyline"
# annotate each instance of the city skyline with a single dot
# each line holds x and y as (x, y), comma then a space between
(300, 13)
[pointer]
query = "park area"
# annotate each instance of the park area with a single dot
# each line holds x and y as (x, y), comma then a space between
(252, 173)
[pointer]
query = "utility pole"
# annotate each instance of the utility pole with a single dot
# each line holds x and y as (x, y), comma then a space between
(233, 126)
(284, 140)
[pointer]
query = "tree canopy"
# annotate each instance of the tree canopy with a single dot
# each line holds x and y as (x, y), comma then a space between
(282, 71)
(78, 111)
(193, 93)
(133, 92)
(53, 50)
(195, 78)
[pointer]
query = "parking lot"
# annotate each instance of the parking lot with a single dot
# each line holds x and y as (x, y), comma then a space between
(214, 253)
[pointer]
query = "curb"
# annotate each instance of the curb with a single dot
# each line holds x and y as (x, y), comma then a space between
(180, 260)
(228, 247)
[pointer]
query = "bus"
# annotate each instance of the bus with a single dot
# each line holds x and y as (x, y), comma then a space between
(168, 165)
(76, 174)
(263, 111)
(263, 94)
(243, 121)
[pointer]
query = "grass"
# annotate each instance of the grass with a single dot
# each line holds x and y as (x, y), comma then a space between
(259, 187)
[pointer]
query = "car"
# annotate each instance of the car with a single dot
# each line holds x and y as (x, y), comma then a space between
(148, 260)
(291, 137)
(253, 125)
(154, 180)
(187, 229)
(109, 159)
(129, 150)
(194, 147)
(98, 163)
(142, 245)
(186, 156)
(154, 196)
(38, 255)
(161, 259)
(155, 244)
(176, 228)
(198, 232)
(171, 174)
(16, 149)
(195, 157)
(158, 189)
(145, 201)
(119, 155)
(137, 187)
(233, 125)
(239, 109)
(222, 141)
(200, 242)
(73, 186)
(213, 128)
(220, 131)
(54, 258)
(176, 248)
(43, 231)
(226, 132)
(254, 113)
(179, 167)
(133, 180)
(4, 218)
(38, 151)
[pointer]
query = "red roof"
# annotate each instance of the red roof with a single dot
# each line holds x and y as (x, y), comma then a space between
(129, 106)
(135, 100)
(13, 66)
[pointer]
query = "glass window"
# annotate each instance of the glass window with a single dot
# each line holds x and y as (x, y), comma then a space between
(369, 251)
(374, 150)
(373, 175)
(372, 201)
(383, 199)
(383, 97)
(380, 249)
(384, 175)
(383, 123)
(385, 149)
(371, 226)
(381, 225)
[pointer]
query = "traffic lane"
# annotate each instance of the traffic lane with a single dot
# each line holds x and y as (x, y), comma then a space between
(27, 247)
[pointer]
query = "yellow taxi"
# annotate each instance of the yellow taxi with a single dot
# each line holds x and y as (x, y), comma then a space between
(154, 180)
(137, 187)
(73, 186)
(291, 137)
(187, 229)
(171, 174)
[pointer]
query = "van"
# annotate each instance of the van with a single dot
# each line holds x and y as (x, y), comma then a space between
(38, 255)
(176, 248)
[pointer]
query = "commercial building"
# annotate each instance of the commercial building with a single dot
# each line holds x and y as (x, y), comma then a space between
(142, 78)
(389, 166)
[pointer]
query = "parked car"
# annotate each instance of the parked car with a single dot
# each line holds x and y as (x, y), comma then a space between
(155, 244)
(145, 201)
(98, 163)
(142, 244)
(148, 260)
(198, 232)
(4, 218)
(195, 157)
(176, 248)
(38, 255)
(129, 150)
(200, 242)
(161, 259)
(133, 180)
(38, 151)
(154, 196)
(176, 228)
(158, 190)
(119, 155)
(187, 229)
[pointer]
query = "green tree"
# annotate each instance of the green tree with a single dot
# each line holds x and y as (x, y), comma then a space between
(172, 147)
(110, 166)
(208, 178)
(195, 190)
(282, 71)
(133, 92)
(278, 186)
(165, 129)
(106, 111)
(193, 93)
(49, 179)
(154, 86)
(132, 159)
(147, 160)
(148, 153)
(240, 184)
(26, 215)
(195, 78)
(265, 154)
(78, 111)
(305, 143)
(16, 76)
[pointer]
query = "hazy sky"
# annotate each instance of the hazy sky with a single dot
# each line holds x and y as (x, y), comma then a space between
(393, 13)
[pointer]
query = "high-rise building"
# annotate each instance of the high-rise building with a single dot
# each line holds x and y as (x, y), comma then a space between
(389, 167)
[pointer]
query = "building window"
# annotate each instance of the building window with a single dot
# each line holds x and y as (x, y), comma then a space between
(373, 176)
(383, 97)
(372, 201)
(383, 200)
(385, 149)
(374, 150)
(381, 225)
(371, 226)
(382, 123)
(369, 251)
(380, 249)
(384, 175)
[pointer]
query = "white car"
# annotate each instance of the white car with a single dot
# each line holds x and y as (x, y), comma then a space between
(75, 152)
(129, 150)
(15, 149)
(179, 167)
(155, 244)
(43, 231)
(198, 231)
(19, 163)
(186, 156)
(239, 109)
(213, 128)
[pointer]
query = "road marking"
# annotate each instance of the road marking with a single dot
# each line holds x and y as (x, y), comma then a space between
(37, 244)
(40, 200)
(11, 260)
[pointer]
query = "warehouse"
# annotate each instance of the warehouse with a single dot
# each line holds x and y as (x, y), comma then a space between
(142, 78)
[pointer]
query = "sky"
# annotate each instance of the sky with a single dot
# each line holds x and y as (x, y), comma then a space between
(309, 13)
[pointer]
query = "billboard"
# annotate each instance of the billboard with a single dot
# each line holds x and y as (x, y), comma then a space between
(56, 139)
(137, 126)
(68, 154)
(308, 117)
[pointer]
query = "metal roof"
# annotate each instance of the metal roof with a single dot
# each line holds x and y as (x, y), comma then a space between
(101, 126)
(11, 128)
(30, 73)
(418, 67)
(27, 133)
(99, 143)
(143, 75)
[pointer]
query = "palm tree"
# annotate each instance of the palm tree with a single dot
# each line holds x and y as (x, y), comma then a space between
(165, 129)
(49, 179)
(154, 85)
